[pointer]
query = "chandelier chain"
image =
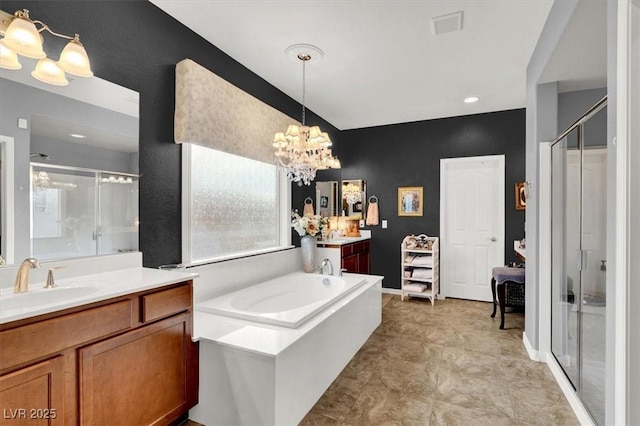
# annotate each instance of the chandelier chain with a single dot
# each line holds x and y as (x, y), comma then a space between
(304, 67)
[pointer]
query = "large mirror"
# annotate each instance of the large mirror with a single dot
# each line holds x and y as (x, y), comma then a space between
(327, 198)
(354, 198)
(68, 168)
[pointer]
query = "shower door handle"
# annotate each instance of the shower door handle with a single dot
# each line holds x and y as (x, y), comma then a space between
(583, 260)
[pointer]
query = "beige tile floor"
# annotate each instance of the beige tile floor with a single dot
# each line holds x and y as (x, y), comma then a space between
(443, 365)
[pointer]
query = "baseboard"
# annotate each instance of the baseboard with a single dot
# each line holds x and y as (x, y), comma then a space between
(533, 354)
(576, 404)
(392, 291)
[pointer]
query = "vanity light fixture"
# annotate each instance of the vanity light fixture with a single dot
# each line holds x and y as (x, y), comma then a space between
(22, 37)
(302, 150)
(471, 99)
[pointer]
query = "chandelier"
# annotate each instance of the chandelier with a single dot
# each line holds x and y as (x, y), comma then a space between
(302, 150)
(22, 37)
(351, 193)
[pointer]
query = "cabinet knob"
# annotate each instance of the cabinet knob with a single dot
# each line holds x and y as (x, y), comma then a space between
(493, 239)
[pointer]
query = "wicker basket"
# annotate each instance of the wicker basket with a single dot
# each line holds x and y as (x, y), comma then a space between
(514, 294)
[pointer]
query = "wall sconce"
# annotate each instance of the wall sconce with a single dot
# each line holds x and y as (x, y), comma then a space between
(22, 37)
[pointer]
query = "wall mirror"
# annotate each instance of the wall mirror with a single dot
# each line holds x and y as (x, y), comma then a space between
(327, 198)
(69, 168)
(354, 196)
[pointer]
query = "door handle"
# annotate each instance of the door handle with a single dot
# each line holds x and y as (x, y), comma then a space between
(493, 239)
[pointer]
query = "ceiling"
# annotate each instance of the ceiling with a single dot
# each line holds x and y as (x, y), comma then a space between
(382, 64)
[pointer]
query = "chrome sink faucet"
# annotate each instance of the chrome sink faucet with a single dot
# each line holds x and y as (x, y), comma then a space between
(22, 278)
(326, 264)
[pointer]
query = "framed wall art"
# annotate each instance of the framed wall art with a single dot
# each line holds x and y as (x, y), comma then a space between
(410, 201)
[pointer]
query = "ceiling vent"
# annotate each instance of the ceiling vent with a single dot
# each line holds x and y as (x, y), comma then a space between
(446, 23)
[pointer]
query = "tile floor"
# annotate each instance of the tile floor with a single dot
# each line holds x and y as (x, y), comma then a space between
(443, 365)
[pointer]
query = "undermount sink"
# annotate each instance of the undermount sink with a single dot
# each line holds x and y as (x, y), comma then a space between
(41, 297)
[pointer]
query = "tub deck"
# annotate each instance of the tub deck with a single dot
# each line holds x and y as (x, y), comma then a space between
(253, 373)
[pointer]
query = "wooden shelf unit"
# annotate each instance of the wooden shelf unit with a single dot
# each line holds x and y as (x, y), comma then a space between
(424, 263)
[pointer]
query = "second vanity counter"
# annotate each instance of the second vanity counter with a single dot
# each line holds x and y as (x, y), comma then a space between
(340, 241)
(82, 290)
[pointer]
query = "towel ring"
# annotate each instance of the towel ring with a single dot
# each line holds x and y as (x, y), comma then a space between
(308, 200)
(373, 199)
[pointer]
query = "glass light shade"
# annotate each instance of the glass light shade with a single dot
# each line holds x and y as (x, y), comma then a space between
(48, 72)
(23, 38)
(9, 59)
(74, 60)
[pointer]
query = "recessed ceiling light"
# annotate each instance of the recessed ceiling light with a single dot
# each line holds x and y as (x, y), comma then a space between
(471, 99)
(79, 136)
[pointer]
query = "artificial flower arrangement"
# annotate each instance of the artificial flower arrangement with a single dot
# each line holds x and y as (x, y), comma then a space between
(315, 226)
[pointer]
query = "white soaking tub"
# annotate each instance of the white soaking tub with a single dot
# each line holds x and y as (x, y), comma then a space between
(268, 352)
(286, 301)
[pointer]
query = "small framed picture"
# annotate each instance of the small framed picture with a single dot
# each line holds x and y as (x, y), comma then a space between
(521, 196)
(410, 201)
(324, 202)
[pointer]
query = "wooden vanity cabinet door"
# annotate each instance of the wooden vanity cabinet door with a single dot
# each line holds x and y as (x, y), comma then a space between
(364, 263)
(139, 377)
(33, 395)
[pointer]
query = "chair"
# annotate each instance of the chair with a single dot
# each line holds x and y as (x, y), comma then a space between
(510, 284)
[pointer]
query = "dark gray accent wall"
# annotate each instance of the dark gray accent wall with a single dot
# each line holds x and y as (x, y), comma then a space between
(409, 154)
(136, 45)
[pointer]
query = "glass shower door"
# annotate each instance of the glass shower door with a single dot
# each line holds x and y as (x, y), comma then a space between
(118, 219)
(578, 227)
(63, 213)
(593, 274)
(565, 253)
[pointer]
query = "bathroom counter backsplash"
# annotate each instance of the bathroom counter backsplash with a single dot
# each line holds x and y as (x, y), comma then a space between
(81, 290)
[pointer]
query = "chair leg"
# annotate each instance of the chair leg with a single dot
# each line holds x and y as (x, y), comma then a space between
(501, 300)
(493, 292)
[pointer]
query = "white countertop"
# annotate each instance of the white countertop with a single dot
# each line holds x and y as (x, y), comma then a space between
(265, 339)
(100, 286)
(340, 241)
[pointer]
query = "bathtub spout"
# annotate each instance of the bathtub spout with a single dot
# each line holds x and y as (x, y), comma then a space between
(327, 267)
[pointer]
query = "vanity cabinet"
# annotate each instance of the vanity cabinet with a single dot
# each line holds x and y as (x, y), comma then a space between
(31, 395)
(355, 257)
(127, 360)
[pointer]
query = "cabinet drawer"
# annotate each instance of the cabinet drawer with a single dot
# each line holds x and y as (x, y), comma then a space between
(166, 302)
(345, 250)
(37, 340)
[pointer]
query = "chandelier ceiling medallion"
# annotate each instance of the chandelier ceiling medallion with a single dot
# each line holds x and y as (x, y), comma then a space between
(22, 37)
(302, 150)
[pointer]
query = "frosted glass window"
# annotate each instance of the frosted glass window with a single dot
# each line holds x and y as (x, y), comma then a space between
(234, 205)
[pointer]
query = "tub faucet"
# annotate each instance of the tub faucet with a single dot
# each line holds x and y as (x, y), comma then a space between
(326, 264)
(22, 278)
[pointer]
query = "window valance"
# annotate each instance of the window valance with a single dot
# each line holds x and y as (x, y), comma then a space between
(212, 112)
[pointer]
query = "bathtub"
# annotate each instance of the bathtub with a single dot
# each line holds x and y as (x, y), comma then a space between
(286, 301)
(268, 352)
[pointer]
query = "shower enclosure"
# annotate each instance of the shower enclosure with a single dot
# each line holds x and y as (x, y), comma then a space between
(578, 229)
(78, 212)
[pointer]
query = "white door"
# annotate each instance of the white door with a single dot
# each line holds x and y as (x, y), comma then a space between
(471, 225)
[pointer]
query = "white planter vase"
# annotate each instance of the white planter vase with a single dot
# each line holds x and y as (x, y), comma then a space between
(308, 248)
